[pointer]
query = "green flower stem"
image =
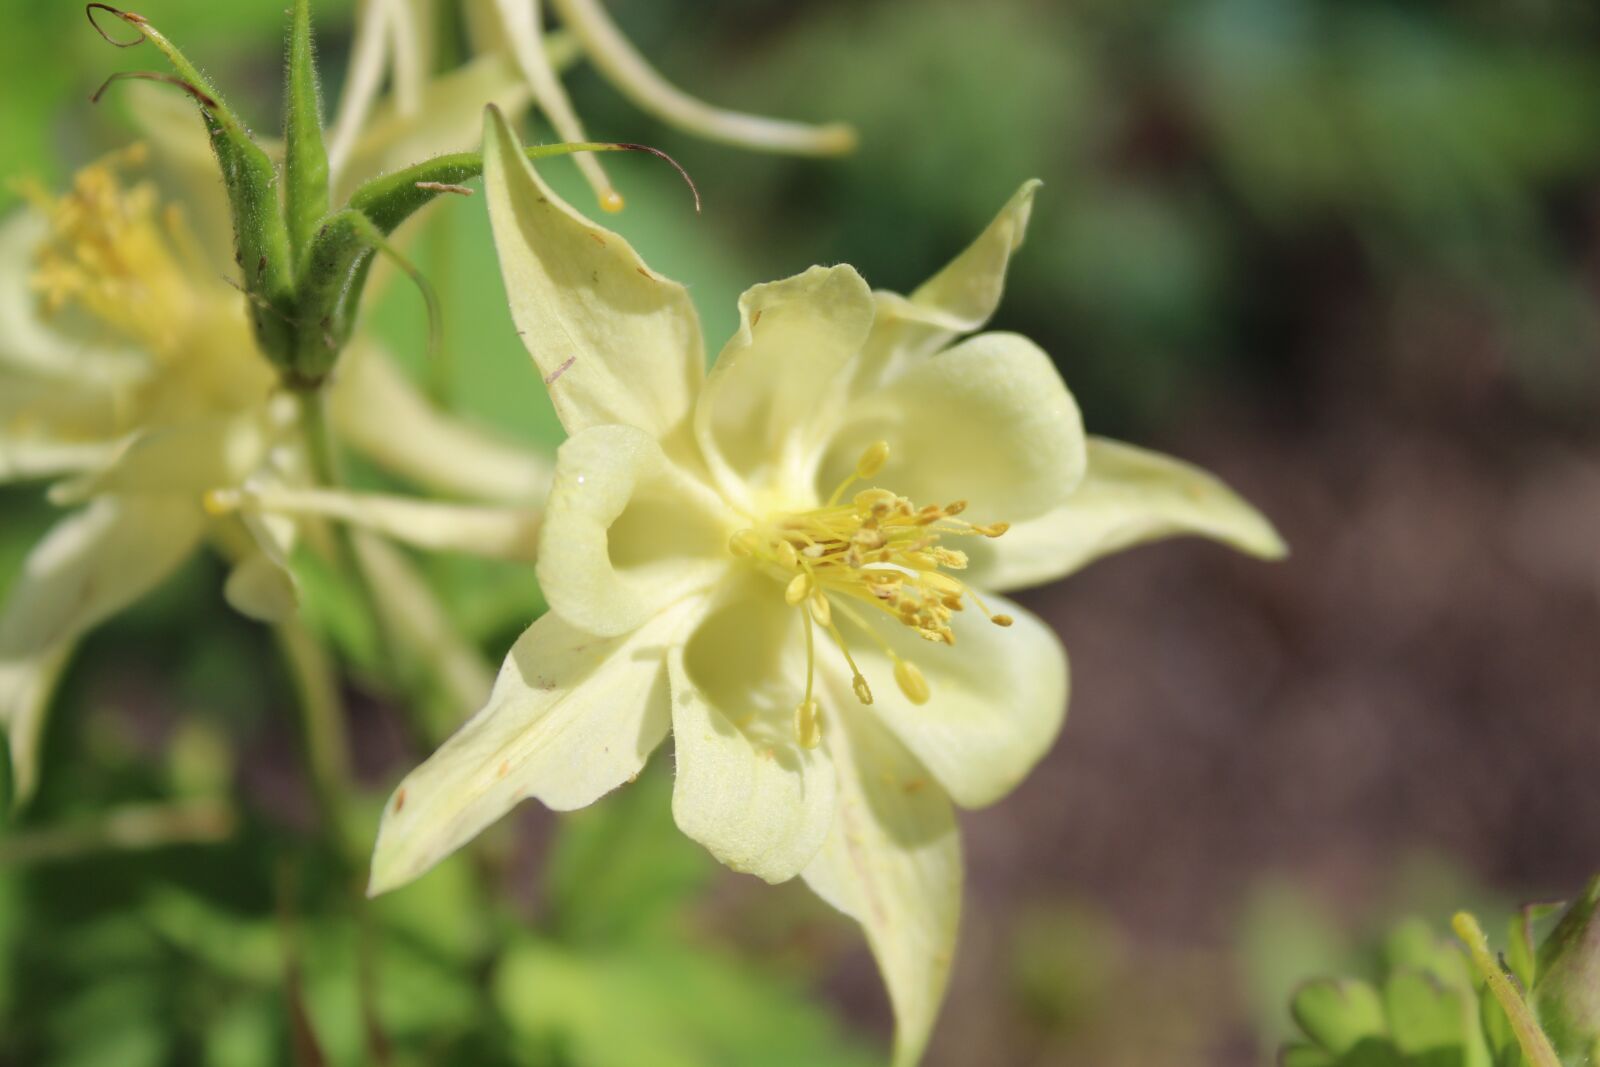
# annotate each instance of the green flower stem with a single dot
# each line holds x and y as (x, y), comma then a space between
(1535, 1046)
(327, 748)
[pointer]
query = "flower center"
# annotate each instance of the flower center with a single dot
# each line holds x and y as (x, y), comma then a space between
(110, 251)
(877, 553)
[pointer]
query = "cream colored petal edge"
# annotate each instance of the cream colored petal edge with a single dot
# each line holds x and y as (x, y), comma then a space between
(998, 699)
(1128, 497)
(615, 342)
(957, 300)
(571, 717)
(185, 459)
(24, 459)
(893, 863)
(384, 416)
(522, 29)
(490, 532)
(607, 574)
(26, 686)
(760, 804)
(90, 565)
(261, 588)
(989, 421)
(963, 295)
(780, 381)
(622, 64)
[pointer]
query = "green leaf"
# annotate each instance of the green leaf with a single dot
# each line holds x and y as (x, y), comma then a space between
(305, 159)
(1338, 1014)
(666, 1006)
(1426, 1016)
(621, 867)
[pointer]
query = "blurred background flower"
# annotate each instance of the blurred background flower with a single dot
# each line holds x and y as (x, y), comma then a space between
(1344, 253)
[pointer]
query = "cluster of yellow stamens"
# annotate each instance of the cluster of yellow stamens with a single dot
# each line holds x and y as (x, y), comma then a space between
(879, 552)
(110, 251)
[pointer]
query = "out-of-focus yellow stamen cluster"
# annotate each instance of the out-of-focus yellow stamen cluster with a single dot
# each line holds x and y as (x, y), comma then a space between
(880, 551)
(110, 251)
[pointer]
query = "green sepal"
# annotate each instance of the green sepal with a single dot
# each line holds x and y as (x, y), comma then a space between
(305, 157)
(261, 238)
(337, 263)
(1566, 993)
(390, 199)
(337, 258)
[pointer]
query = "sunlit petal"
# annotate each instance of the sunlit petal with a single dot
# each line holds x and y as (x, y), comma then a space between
(779, 385)
(625, 532)
(893, 863)
(1128, 497)
(745, 788)
(615, 342)
(989, 421)
(571, 717)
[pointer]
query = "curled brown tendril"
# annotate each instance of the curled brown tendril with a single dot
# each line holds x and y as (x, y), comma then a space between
(126, 16)
(154, 76)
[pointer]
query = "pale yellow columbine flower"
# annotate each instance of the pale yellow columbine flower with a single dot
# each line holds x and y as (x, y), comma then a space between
(397, 35)
(128, 371)
(792, 563)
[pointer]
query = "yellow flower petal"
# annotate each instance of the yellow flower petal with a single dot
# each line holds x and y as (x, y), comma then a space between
(571, 717)
(621, 63)
(491, 532)
(1129, 496)
(779, 383)
(259, 587)
(616, 342)
(90, 566)
(626, 532)
(989, 422)
(378, 410)
(186, 458)
(997, 698)
(956, 301)
(29, 458)
(745, 789)
(893, 863)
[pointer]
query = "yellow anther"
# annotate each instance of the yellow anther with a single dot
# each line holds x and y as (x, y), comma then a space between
(872, 460)
(839, 562)
(911, 681)
(821, 611)
(863, 690)
(788, 558)
(807, 723)
(872, 499)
